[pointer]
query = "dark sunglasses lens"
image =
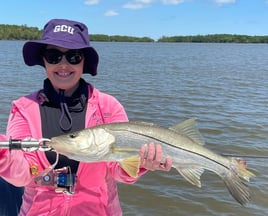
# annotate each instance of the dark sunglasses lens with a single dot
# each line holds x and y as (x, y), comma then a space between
(52, 56)
(74, 56)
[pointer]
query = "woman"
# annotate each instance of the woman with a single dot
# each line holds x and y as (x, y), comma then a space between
(66, 103)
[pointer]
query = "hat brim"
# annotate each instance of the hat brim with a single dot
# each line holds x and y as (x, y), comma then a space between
(32, 54)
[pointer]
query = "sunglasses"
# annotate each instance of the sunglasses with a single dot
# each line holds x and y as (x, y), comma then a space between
(54, 56)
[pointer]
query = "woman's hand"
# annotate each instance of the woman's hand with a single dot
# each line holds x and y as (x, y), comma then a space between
(151, 157)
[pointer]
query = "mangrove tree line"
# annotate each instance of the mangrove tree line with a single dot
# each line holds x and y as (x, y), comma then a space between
(24, 32)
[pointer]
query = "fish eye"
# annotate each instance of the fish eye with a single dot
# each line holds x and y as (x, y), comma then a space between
(72, 136)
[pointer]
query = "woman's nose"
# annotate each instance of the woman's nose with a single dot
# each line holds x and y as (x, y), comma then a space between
(63, 60)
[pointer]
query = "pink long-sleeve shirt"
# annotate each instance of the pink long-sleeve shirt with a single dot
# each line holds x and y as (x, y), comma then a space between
(95, 190)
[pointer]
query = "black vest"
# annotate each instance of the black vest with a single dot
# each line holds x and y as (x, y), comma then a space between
(60, 114)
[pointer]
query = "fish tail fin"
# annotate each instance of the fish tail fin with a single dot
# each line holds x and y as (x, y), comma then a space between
(235, 184)
(237, 188)
(131, 166)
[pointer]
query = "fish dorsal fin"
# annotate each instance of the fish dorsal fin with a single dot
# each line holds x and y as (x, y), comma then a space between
(131, 166)
(192, 175)
(188, 128)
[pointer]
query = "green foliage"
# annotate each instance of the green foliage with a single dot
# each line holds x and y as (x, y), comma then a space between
(23, 32)
(99, 37)
(15, 32)
(216, 38)
(118, 38)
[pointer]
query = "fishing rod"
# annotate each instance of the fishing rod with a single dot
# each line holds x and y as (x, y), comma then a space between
(244, 156)
(26, 144)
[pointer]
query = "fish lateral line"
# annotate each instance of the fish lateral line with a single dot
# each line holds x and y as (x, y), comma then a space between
(174, 146)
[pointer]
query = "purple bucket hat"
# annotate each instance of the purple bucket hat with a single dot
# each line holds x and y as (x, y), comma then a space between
(63, 33)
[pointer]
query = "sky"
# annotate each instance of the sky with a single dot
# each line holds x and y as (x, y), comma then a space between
(145, 18)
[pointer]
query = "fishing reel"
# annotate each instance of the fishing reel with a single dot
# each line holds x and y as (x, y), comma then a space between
(63, 180)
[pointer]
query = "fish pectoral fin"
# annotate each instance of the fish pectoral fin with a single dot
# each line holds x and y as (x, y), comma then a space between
(131, 166)
(189, 128)
(192, 175)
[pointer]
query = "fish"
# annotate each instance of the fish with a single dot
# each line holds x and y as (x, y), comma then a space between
(182, 142)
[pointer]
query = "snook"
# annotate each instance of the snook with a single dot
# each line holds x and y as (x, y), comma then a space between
(183, 142)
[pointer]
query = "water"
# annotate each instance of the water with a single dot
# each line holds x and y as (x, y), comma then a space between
(223, 85)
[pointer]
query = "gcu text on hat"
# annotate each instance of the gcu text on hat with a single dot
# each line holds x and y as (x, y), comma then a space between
(64, 28)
